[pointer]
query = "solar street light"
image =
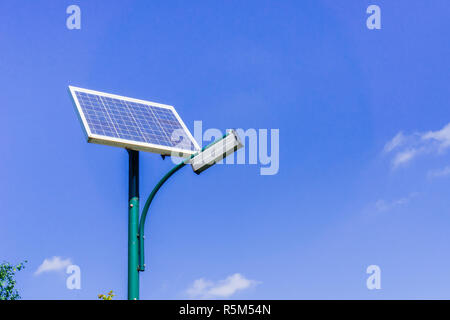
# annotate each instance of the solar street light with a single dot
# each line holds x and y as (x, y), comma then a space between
(140, 125)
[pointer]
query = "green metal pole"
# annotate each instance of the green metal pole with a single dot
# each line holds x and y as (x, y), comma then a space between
(133, 226)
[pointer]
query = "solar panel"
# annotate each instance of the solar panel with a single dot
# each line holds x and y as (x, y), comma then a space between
(131, 123)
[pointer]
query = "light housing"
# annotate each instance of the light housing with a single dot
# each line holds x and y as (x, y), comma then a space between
(216, 151)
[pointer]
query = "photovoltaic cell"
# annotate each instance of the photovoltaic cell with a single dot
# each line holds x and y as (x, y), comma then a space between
(121, 118)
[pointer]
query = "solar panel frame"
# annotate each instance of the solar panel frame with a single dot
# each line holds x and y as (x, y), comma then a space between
(125, 143)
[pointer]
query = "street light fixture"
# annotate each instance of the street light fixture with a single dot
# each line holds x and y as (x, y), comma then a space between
(216, 151)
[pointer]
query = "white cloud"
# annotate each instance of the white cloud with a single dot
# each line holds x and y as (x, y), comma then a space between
(53, 264)
(199, 288)
(407, 147)
(439, 173)
(403, 157)
(395, 142)
(441, 136)
(205, 289)
(383, 205)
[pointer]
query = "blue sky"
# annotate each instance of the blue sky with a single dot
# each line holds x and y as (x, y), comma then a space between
(347, 194)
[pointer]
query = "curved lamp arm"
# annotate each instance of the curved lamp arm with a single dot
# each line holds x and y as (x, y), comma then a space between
(145, 211)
